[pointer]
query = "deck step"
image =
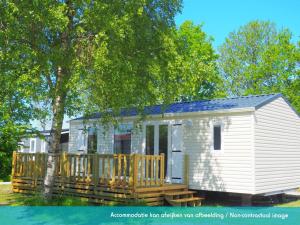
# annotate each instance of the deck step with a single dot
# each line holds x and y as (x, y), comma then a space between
(177, 193)
(187, 199)
(193, 201)
(166, 187)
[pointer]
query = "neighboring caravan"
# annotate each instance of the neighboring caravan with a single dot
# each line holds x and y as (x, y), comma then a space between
(247, 145)
(37, 144)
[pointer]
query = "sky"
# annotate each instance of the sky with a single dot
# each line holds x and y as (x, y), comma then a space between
(219, 17)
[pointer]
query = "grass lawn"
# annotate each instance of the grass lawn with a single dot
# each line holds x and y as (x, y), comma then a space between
(7, 197)
(290, 204)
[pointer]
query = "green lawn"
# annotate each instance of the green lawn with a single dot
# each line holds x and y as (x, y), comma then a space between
(290, 204)
(7, 197)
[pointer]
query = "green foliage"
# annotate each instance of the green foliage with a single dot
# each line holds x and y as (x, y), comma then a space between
(86, 56)
(198, 69)
(56, 55)
(16, 88)
(182, 68)
(5, 166)
(260, 59)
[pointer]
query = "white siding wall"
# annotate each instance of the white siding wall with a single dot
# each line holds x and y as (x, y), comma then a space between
(105, 137)
(137, 140)
(105, 140)
(277, 147)
(232, 169)
(26, 141)
(74, 129)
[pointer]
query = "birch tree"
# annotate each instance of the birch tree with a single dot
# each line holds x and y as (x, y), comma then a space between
(75, 49)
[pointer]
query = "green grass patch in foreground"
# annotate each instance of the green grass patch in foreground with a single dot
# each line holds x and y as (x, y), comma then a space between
(7, 197)
(290, 204)
(5, 194)
(38, 200)
(295, 203)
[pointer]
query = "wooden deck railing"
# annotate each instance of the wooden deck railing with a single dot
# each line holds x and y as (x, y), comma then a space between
(114, 170)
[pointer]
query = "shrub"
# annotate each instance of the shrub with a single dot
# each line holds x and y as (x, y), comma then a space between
(5, 166)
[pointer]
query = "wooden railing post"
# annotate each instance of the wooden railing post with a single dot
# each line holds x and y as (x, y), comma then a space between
(135, 171)
(114, 167)
(95, 171)
(63, 169)
(14, 163)
(186, 169)
(162, 169)
(131, 169)
(34, 168)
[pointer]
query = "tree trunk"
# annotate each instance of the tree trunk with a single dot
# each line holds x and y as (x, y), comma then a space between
(55, 135)
(58, 104)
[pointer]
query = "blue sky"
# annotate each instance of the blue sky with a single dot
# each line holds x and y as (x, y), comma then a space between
(221, 17)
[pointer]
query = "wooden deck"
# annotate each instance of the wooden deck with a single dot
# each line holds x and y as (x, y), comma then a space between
(102, 179)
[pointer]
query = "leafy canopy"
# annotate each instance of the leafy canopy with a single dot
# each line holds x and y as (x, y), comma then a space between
(112, 54)
(198, 63)
(16, 86)
(259, 59)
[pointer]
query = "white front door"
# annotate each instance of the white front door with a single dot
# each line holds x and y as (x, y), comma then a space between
(177, 153)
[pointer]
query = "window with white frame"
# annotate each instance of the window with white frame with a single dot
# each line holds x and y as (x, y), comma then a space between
(32, 148)
(217, 137)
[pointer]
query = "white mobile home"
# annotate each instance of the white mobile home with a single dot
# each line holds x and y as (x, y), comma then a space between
(246, 145)
(40, 143)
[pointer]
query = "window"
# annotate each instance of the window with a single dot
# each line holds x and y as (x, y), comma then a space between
(92, 140)
(32, 145)
(163, 143)
(150, 140)
(217, 137)
(122, 139)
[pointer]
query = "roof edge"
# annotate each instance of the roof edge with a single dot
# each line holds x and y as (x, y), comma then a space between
(292, 107)
(267, 101)
(275, 97)
(182, 114)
